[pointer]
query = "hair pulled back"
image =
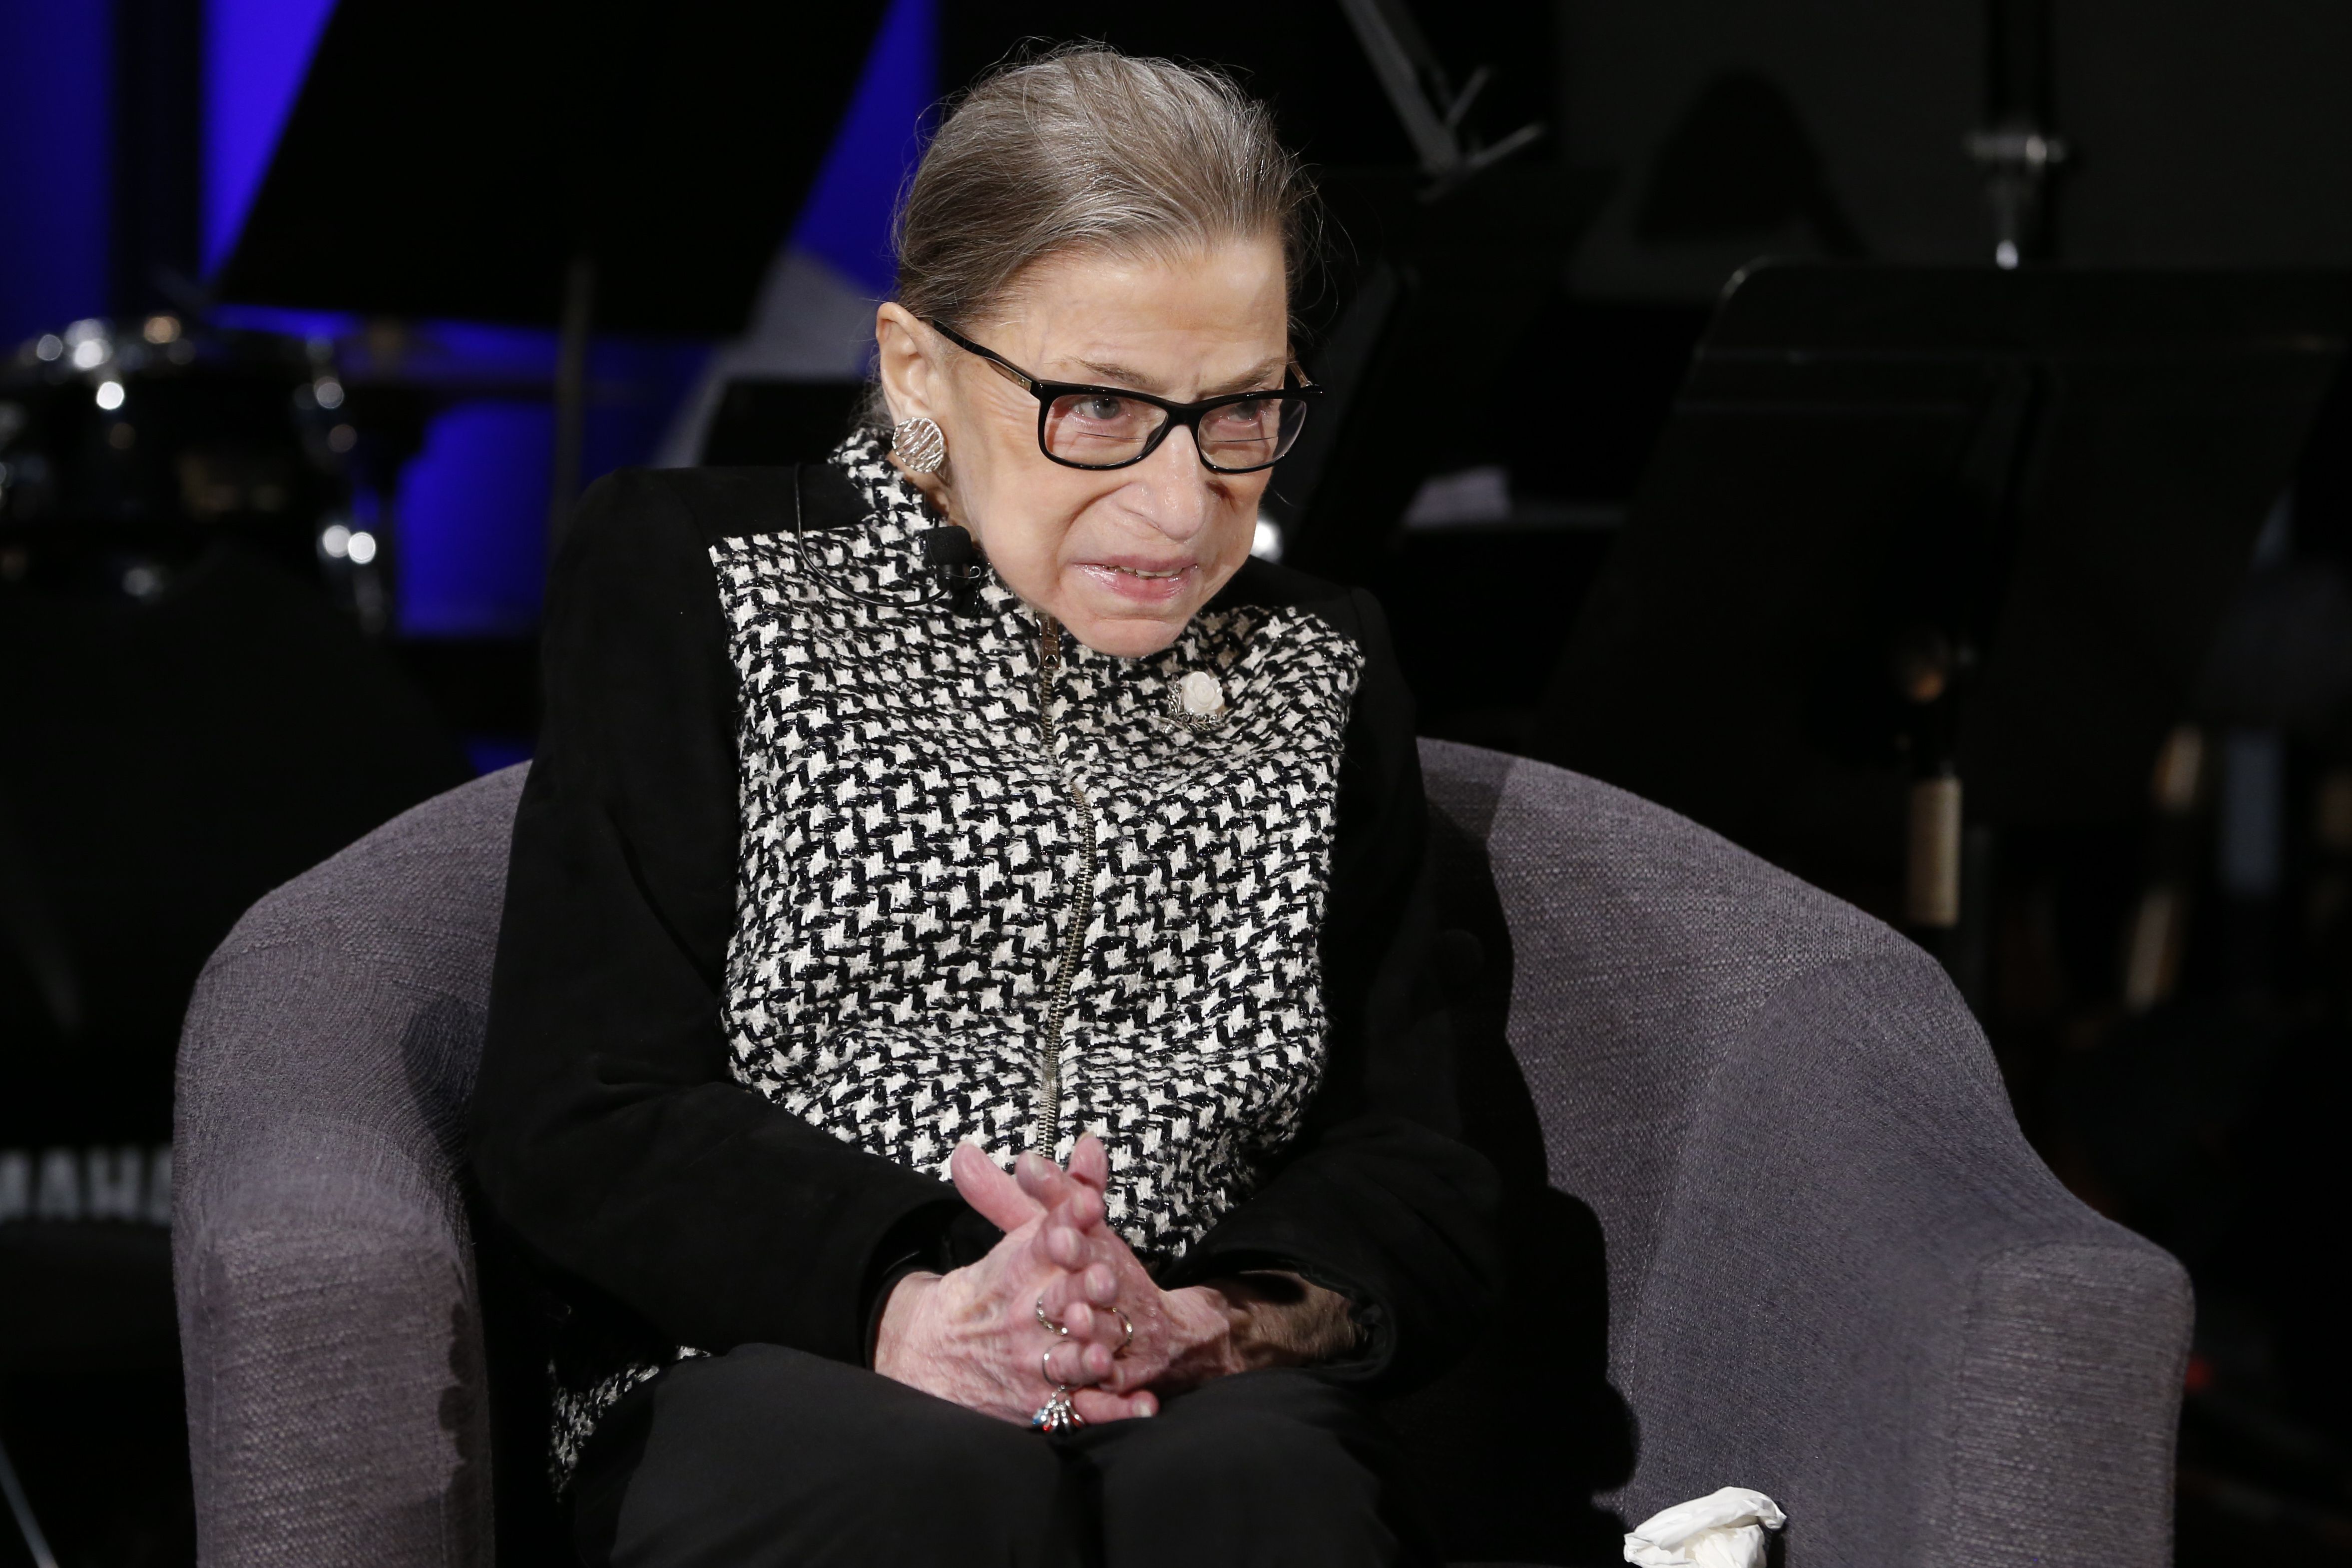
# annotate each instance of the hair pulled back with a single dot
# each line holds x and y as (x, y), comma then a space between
(1085, 149)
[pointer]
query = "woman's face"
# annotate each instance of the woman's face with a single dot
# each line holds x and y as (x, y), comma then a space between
(1122, 557)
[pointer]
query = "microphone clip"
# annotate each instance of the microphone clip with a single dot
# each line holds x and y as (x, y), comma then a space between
(952, 561)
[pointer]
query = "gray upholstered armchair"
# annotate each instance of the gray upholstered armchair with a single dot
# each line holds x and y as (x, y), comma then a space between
(1834, 1272)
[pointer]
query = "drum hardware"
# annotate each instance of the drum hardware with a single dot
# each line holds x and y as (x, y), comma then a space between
(128, 448)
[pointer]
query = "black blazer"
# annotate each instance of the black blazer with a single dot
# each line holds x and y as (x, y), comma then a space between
(676, 1206)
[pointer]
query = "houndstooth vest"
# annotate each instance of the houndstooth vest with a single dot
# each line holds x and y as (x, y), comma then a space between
(996, 886)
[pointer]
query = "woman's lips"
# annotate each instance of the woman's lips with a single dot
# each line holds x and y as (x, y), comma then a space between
(1143, 583)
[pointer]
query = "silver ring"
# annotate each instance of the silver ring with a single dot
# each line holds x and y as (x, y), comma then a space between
(1061, 1331)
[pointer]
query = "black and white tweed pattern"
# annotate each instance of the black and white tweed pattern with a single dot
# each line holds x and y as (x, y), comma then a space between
(924, 820)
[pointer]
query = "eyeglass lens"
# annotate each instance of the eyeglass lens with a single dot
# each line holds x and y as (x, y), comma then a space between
(1100, 430)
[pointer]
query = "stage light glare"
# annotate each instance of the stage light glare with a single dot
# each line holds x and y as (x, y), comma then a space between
(362, 548)
(2004, 256)
(90, 354)
(329, 392)
(162, 330)
(49, 347)
(1265, 542)
(110, 396)
(335, 541)
(342, 438)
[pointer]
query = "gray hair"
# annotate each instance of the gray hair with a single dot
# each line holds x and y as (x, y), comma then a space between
(1085, 149)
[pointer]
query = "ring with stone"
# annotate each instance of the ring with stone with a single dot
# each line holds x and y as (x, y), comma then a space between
(1058, 1414)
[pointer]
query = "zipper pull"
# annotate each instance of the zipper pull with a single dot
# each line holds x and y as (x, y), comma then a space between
(1049, 663)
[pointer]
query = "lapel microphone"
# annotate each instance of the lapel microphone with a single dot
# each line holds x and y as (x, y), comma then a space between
(952, 561)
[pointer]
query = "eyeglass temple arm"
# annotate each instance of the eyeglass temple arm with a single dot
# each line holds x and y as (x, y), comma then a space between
(1008, 372)
(986, 357)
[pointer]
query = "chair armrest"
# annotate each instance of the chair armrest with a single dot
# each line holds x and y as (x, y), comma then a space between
(333, 1360)
(1870, 1300)
(328, 1319)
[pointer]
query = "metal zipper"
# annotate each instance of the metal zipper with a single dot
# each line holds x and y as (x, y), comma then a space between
(1047, 1130)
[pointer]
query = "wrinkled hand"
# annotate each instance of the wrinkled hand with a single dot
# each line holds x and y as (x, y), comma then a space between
(971, 1335)
(1182, 1338)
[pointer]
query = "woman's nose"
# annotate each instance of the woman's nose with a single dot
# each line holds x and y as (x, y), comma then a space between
(1174, 491)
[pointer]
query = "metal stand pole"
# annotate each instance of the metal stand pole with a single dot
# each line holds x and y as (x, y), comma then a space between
(22, 1507)
(1431, 111)
(2015, 149)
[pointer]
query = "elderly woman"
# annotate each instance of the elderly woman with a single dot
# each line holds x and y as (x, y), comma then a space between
(958, 1051)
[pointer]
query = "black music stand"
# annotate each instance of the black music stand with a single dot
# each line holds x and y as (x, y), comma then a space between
(2048, 479)
(768, 422)
(452, 158)
(1435, 314)
(629, 164)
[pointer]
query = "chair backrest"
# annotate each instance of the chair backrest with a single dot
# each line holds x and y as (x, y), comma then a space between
(1643, 945)
(1836, 1271)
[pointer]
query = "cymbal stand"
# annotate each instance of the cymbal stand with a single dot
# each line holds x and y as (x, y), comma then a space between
(22, 1508)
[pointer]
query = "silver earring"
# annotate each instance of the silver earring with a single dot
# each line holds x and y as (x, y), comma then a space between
(918, 444)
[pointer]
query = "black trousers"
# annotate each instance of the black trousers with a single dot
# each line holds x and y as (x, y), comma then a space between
(770, 1456)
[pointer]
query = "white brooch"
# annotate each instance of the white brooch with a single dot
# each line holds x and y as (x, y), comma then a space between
(1198, 700)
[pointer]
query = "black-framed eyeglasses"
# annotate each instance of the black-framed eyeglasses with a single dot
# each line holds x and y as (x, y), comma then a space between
(1083, 426)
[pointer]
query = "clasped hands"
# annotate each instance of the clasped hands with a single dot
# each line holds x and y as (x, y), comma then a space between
(972, 1335)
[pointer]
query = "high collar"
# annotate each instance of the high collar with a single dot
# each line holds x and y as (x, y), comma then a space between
(891, 499)
(889, 553)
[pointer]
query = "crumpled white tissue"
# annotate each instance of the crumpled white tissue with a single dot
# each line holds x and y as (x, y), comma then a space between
(1722, 1529)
